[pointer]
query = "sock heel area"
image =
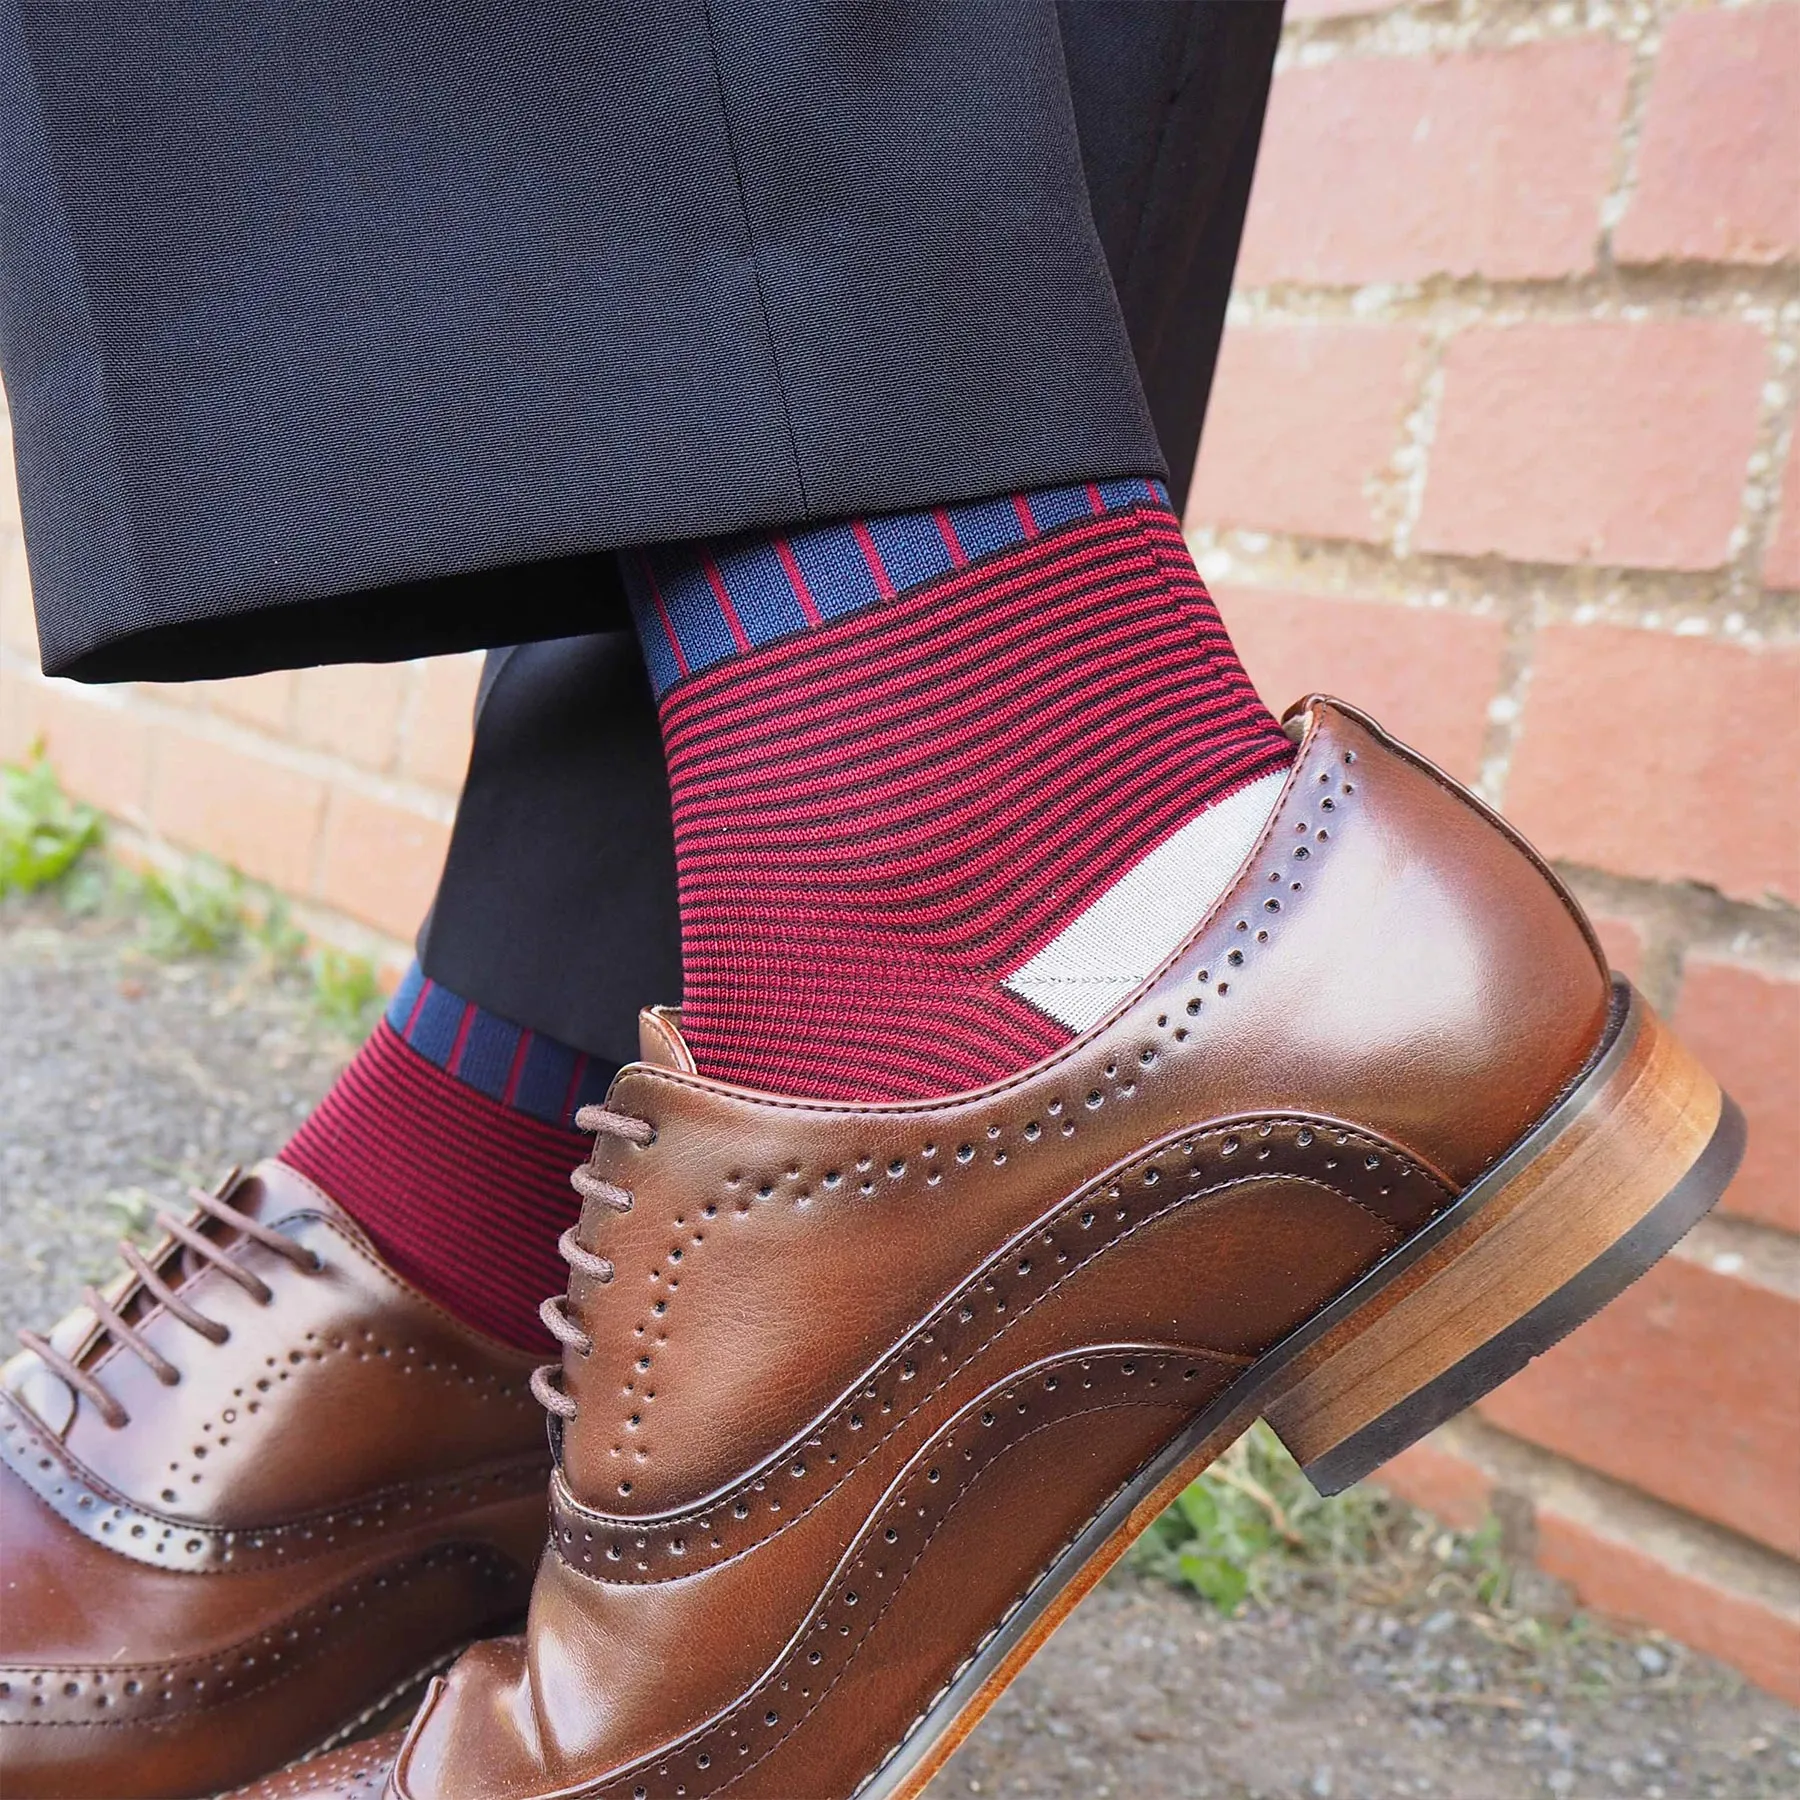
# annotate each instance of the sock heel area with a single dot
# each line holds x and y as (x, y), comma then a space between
(1583, 1206)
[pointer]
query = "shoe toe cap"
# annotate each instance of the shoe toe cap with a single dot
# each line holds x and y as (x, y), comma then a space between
(356, 1772)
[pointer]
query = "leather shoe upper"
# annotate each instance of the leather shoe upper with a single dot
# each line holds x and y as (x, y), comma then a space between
(843, 1381)
(238, 1512)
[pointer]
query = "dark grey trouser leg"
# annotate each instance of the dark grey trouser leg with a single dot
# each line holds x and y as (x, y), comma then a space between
(557, 904)
(557, 907)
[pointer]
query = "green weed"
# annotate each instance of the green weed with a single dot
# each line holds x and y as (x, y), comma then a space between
(1252, 1524)
(196, 909)
(200, 907)
(345, 991)
(280, 942)
(43, 833)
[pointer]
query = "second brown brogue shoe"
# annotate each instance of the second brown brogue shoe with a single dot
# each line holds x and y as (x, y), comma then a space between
(249, 1492)
(857, 1401)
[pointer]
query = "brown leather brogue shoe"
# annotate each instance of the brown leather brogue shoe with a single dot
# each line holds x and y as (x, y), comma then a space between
(859, 1400)
(253, 1489)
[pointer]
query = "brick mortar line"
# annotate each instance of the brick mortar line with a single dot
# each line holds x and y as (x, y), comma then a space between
(1729, 604)
(1427, 28)
(1778, 420)
(1683, 920)
(1523, 618)
(1646, 50)
(1744, 1250)
(1632, 1516)
(1752, 293)
(1411, 459)
(336, 772)
(1399, 494)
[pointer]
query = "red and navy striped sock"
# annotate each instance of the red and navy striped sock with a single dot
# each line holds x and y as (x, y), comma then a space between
(946, 785)
(449, 1139)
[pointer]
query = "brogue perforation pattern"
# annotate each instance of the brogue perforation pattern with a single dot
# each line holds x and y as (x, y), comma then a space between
(359, 1345)
(1353, 1166)
(358, 1772)
(1301, 832)
(896, 1537)
(109, 1519)
(120, 1694)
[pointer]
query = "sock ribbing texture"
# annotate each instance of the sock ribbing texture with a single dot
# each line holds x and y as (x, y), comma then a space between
(449, 1139)
(905, 772)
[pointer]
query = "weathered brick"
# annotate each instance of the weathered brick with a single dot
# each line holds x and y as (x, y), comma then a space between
(263, 701)
(1624, 942)
(1744, 1024)
(1683, 1387)
(18, 715)
(18, 624)
(1660, 756)
(352, 710)
(1744, 1625)
(1781, 560)
(236, 805)
(1399, 168)
(9, 487)
(1718, 165)
(1333, 9)
(380, 862)
(436, 746)
(1426, 673)
(1302, 420)
(1447, 1485)
(188, 694)
(1595, 441)
(100, 751)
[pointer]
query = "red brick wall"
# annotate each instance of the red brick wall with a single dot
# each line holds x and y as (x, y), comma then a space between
(336, 786)
(1503, 448)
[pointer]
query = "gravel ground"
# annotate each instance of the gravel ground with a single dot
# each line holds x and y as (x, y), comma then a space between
(126, 1078)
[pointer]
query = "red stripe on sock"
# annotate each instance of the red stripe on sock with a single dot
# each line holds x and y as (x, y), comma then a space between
(1022, 508)
(802, 593)
(463, 1027)
(521, 1050)
(732, 622)
(418, 1005)
(662, 612)
(952, 543)
(877, 568)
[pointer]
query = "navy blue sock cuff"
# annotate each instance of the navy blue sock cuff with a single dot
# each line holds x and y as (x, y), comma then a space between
(518, 1067)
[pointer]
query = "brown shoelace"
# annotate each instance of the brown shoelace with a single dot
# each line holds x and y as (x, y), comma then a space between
(554, 1311)
(210, 1253)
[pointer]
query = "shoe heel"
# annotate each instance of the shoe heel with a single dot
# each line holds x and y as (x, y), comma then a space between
(1605, 1186)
